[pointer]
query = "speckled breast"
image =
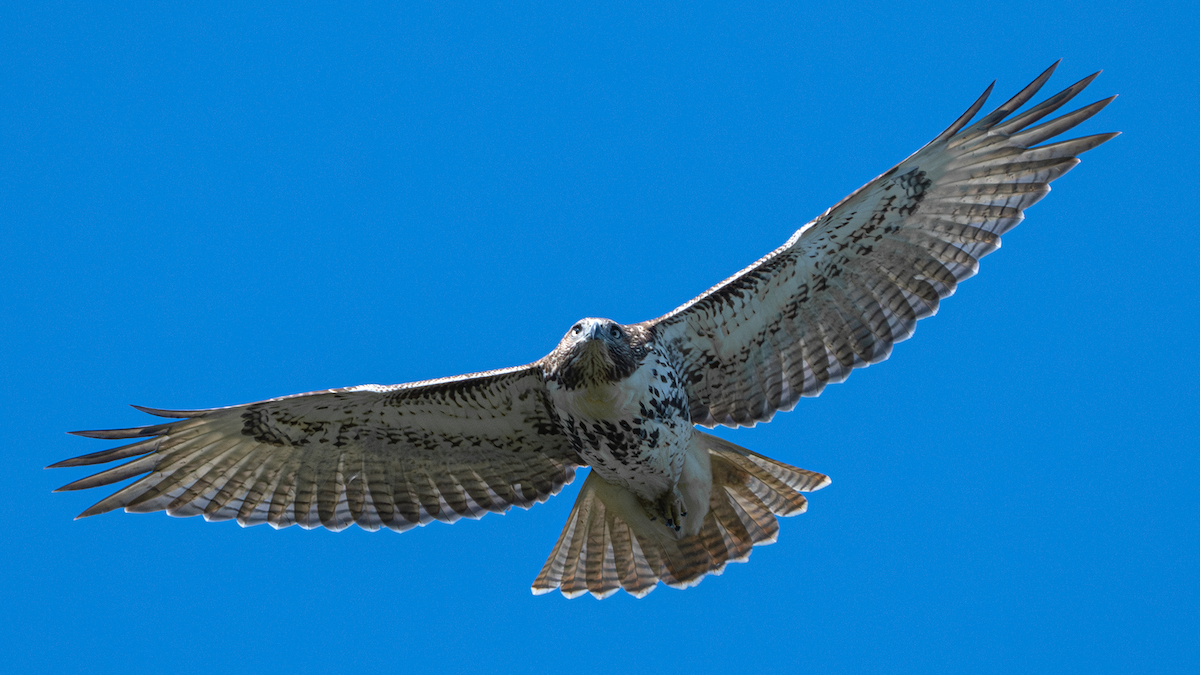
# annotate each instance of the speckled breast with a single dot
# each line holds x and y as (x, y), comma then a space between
(633, 432)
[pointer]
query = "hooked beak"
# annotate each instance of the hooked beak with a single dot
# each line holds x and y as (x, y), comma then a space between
(593, 342)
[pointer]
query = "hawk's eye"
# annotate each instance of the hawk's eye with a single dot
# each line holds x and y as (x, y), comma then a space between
(577, 329)
(616, 332)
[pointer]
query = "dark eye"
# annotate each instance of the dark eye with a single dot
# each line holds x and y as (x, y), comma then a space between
(577, 329)
(616, 332)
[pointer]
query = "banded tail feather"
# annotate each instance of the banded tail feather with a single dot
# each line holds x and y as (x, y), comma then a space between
(609, 541)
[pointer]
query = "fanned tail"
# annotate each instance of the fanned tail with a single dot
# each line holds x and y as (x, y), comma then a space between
(609, 542)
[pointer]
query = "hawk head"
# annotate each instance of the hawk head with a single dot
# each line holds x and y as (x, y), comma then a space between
(596, 352)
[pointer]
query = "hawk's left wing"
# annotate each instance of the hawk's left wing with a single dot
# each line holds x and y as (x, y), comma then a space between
(853, 282)
(393, 457)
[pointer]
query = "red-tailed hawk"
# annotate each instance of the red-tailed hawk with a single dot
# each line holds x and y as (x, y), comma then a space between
(664, 501)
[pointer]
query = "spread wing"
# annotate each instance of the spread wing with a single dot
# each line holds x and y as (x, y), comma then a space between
(392, 457)
(853, 282)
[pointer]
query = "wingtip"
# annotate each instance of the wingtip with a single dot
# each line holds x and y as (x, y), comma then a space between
(1050, 70)
(1085, 82)
(1097, 140)
(69, 487)
(118, 434)
(1102, 103)
(160, 412)
(967, 116)
(102, 506)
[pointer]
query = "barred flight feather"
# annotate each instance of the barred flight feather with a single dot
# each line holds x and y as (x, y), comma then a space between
(852, 283)
(380, 457)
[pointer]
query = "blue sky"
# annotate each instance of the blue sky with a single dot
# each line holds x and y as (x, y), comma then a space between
(213, 206)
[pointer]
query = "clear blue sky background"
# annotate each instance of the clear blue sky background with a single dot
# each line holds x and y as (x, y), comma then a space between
(204, 207)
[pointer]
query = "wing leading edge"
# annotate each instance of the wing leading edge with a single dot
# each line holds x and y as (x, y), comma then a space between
(853, 282)
(395, 457)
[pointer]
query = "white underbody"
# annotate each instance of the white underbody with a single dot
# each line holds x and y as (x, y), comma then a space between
(633, 438)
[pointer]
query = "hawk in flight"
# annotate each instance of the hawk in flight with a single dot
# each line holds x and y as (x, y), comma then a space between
(664, 501)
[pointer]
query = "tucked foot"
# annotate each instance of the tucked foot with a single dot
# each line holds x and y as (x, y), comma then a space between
(670, 509)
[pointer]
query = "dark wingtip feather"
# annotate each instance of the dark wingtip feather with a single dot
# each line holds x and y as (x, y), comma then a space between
(173, 414)
(118, 434)
(966, 116)
(95, 433)
(93, 511)
(115, 474)
(74, 461)
(1083, 84)
(1011, 105)
(112, 502)
(1046, 107)
(110, 455)
(1084, 143)
(1030, 90)
(1034, 135)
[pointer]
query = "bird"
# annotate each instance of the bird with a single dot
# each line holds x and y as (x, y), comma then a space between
(664, 501)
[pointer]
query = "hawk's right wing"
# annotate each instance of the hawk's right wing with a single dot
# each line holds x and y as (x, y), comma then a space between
(378, 456)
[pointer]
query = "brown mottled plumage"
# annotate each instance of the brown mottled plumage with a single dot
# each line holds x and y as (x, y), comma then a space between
(664, 501)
